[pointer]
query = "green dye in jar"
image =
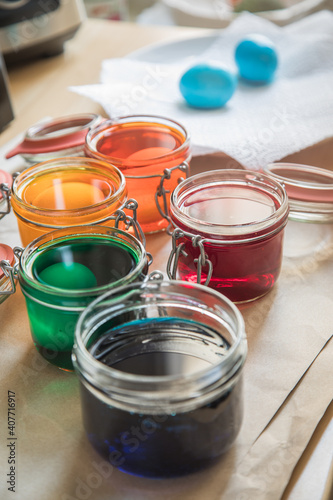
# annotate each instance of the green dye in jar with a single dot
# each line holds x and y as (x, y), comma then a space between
(91, 263)
(69, 275)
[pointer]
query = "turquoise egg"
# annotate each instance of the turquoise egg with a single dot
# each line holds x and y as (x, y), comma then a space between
(256, 58)
(70, 276)
(207, 86)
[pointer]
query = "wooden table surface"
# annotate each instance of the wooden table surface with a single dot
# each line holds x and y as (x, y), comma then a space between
(34, 85)
(40, 88)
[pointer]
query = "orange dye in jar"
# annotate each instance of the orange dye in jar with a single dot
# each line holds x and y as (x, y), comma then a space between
(142, 147)
(66, 192)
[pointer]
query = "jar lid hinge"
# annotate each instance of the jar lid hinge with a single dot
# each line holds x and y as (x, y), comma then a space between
(11, 271)
(161, 192)
(5, 193)
(130, 221)
(177, 249)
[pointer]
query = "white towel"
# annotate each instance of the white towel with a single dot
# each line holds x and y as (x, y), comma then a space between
(259, 124)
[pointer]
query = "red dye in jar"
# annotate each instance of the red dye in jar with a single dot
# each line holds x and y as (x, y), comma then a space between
(142, 147)
(229, 232)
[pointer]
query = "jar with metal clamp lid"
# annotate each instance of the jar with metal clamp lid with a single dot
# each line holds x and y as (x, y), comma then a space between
(160, 365)
(228, 232)
(153, 154)
(67, 192)
(309, 232)
(64, 136)
(309, 190)
(61, 272)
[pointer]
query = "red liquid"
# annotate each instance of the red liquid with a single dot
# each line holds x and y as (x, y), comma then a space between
(244, 268)
(242, 272)
(144, 149)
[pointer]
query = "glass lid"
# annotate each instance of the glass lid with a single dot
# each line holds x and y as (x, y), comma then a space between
(309, 190)
(55, 135)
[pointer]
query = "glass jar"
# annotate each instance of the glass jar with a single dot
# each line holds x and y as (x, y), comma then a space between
(309, 233)
(152, 152)
(160, 367)
(6, 181)
(7, 278)
(61, 272)
(63, 136)
(66, 192)
(309, 189)
(229, 227)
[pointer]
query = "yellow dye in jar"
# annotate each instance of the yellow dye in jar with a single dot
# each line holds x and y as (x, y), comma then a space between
(66, 192)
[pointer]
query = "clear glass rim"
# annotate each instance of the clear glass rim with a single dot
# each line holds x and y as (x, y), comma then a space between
(39, 132)
(309, 189)
(56, 135)
(86, 363)
(111, 172)
(275, 168)
(261, 228)
(95, 133)
(33, 158)
(74, 233)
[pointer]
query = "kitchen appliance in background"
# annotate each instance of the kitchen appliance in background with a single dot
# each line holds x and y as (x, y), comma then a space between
(30, 28)
(114, 10)
(6, 110)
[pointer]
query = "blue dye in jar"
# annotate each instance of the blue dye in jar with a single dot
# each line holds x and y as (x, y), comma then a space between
(160, 370)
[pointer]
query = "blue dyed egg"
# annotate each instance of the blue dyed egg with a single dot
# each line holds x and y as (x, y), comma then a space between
(207, 86)
(256, 58)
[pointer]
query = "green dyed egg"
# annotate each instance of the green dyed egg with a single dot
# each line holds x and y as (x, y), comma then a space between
(70, 276)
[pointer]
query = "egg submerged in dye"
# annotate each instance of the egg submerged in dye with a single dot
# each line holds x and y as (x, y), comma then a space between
(69, 276)
(207, 86)
(257, 59)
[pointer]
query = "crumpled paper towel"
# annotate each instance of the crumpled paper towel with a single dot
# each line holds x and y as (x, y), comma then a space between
(261, 123)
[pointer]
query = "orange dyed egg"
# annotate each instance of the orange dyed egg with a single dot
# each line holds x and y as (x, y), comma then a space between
(69, 195)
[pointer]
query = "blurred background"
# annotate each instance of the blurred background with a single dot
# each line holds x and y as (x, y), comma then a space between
(40, 27)
(124, 10)
(202, 13)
